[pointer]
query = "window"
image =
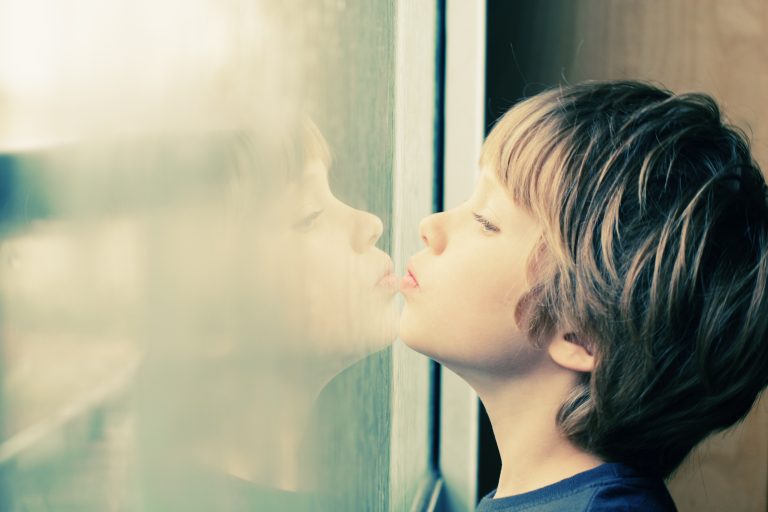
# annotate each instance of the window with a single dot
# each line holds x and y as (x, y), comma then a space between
(198, 201)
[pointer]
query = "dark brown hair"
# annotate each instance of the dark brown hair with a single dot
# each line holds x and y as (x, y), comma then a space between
(656, 234)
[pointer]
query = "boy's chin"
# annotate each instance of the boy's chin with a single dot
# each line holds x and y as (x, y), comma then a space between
(424, 345)
(413, 344)
(429, 343)
(411, 336)
(469, 363)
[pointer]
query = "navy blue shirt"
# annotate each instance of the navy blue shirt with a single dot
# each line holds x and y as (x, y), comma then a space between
(610, 486)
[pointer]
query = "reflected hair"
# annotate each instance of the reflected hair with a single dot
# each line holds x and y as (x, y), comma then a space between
(654, 255)
(261, 162)
(277, 155)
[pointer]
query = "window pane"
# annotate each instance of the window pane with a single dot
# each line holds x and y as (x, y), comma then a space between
(201, 203)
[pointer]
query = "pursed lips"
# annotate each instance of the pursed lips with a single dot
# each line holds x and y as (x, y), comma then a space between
(386, 274)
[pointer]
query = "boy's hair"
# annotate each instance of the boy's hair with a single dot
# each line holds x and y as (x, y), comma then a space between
(654, 253)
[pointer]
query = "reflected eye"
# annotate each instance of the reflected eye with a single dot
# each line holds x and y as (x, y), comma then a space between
(487, 225)
(305, 224)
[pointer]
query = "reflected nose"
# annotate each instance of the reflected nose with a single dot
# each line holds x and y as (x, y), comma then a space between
(368, 230)
(432, 233)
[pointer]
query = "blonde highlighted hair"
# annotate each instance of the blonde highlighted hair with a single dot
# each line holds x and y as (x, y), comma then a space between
(655, 255)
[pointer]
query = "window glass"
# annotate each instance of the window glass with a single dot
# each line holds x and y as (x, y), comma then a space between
(198, 256)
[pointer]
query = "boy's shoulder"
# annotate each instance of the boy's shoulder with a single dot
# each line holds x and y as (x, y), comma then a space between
(610, 486)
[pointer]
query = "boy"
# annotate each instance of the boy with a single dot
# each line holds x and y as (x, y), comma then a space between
(603, 291)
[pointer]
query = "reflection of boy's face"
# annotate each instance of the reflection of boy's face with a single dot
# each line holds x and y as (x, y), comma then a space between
(330, 271)
(468, 280)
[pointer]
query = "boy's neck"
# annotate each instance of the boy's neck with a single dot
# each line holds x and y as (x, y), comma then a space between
(522, 410)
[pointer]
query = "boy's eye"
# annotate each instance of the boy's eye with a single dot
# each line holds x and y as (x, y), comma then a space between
(305, 224)
(487, 225)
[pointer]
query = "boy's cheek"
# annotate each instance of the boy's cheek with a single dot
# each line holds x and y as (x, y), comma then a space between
(464, 311)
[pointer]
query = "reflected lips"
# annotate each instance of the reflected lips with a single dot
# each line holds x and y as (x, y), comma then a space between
(388, 280)
(409, 281)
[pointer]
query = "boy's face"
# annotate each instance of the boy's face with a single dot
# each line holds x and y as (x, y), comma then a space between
(460, 310)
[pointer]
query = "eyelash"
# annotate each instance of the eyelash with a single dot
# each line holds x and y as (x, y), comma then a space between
(486, 223)
(306, 223)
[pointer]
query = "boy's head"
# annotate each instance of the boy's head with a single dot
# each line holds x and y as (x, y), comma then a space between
(651, 254)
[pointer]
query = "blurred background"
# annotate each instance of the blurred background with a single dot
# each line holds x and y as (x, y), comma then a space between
(200, 203)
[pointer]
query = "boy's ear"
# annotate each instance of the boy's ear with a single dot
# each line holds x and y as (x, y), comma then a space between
(568, 351)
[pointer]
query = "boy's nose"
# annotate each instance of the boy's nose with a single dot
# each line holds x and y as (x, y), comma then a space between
(368, 230)
(431, 232)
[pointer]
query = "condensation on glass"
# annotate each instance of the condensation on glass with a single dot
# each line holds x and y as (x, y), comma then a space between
(196, 210)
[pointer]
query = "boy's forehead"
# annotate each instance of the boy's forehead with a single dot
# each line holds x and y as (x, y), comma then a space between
(498, 198)
(492, 192)
(485, 178)
(483, 184)
(488, 181)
